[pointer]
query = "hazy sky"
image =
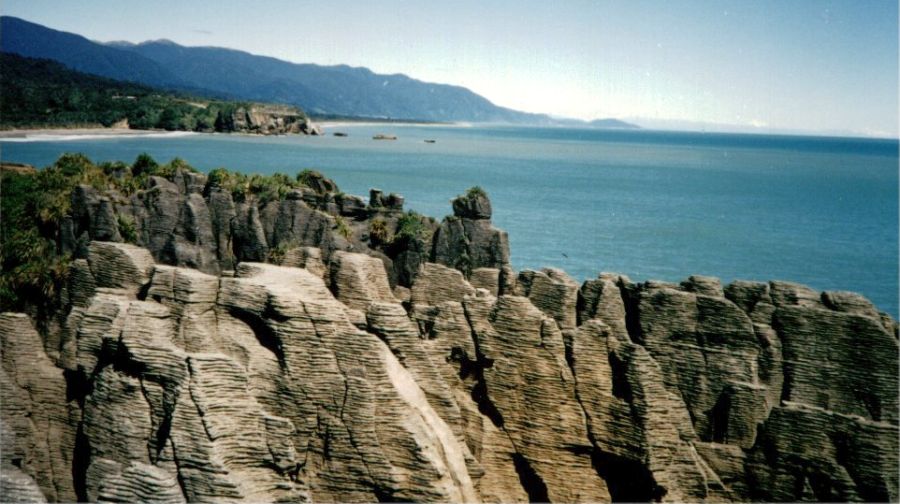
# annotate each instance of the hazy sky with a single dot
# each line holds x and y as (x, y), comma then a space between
(803, 65)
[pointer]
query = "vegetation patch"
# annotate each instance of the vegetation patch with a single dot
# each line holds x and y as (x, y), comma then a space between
(411, 226)
(32, 208)
(278, 253)
(126, 229)
(264, 188)
(378, 232)
(475, 192)
(43, 93)
(342, 227)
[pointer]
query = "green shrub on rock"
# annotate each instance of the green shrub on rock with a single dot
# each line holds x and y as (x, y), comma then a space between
(378, 231)
(410, 227)
(126, 228)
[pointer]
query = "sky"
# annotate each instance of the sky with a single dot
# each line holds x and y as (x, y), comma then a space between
(797, 65)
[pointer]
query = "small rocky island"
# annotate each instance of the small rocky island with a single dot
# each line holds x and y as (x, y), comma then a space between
(224, 337)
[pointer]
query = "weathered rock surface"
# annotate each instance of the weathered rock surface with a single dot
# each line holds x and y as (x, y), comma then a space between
(267, 120)
(358, 280)
(327, 379)
(37, 421)
(467, 240)
(553, 291)
(436, 283)
(188, 220)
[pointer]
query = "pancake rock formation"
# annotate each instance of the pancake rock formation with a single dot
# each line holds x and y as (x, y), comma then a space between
(188, 367)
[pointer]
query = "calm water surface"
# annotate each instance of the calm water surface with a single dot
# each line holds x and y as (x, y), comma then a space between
(652, 205)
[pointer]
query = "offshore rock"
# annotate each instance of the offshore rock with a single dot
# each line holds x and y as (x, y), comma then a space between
(266, 120)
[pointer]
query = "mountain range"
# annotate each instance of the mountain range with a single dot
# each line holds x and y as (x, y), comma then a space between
(337, 90)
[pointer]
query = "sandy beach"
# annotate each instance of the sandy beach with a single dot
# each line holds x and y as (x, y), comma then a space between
(59, 134)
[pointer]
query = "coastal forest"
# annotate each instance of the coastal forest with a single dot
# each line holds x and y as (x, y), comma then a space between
(36, 93)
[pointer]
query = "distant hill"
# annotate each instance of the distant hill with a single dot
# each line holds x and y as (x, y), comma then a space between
(611, 124)
(337, 90)
(44, 93)
(76, 52)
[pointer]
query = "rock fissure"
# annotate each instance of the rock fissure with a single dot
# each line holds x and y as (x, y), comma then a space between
(314, 383)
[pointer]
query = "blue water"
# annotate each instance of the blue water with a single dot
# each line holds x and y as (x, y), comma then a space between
(652, 205)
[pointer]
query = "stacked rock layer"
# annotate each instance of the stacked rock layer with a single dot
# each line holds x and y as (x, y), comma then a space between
(189, 370)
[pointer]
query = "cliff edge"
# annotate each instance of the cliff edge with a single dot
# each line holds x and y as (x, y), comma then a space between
(212, 344)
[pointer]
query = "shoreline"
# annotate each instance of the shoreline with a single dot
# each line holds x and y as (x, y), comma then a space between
(61, 134)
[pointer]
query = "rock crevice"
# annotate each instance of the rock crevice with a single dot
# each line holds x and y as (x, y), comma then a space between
(186, 368)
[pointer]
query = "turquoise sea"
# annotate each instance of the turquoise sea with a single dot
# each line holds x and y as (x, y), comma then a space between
(650, 204)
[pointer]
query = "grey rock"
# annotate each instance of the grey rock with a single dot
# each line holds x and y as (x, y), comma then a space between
(105, 225)
(788, 293)
(158, 382)
(474, 205)
(37, 425)
(553, 291)
(221, 213)
(601, 299)
(826, 366)
(466, 244)
(531, 390)
(486, 278)
(16, 486)
(248, 237)
(394, 201)
(352, 206)
(849, 302)
(436, 283)
(120, 265)
(309, 258)
(706, 285)
(358, 280)
(376, 198)
(639, 427)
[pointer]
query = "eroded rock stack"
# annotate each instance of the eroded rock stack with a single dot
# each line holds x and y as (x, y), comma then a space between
(266, 120)
(191, 220)
(187, 369)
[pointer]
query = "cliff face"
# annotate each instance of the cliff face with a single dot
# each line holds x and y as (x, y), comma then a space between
(266, 120)
(184, 368)
(188, 220)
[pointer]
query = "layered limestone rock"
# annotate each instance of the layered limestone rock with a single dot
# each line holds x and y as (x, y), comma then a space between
(467, 240)
(358, 280)
(529, 391)
(553, 291)
(358, 374)
(255, 387)
(37, 421)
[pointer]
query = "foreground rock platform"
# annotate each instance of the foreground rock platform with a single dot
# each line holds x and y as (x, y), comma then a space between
(358, 378)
